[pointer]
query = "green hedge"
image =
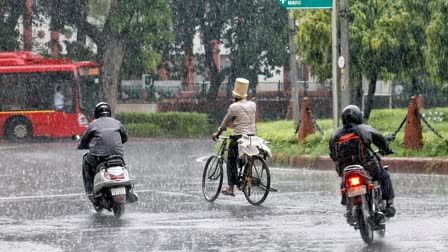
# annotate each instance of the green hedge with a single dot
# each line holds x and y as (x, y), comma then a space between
(165, 124)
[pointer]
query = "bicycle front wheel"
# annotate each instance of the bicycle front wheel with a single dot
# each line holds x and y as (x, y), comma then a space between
(212, 177)
(256, 187)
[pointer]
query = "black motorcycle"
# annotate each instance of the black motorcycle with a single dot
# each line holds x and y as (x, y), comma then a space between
(363, 199)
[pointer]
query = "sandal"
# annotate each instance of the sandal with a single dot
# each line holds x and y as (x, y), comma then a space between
(228, 191)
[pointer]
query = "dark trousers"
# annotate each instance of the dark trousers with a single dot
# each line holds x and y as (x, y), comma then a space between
(232, 159)
(379, 174)
(89, 164)
(382, 176)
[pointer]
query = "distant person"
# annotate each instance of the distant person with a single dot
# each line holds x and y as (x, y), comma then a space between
(58, 99)
(33, 98)
(241, 116)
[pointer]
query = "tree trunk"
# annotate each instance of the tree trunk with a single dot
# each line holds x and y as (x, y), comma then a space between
(371, 93)
(416, 86)
(356, 91)
(112, 57)
(215, 76)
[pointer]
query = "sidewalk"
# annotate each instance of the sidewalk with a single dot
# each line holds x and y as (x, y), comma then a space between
(396, 165)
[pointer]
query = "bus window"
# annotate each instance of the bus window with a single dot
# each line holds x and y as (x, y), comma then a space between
(89, 93)
(35, 91)
(61, 86)
(12, 92)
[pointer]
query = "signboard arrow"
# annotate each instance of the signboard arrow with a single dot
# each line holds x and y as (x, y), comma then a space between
(305, 4)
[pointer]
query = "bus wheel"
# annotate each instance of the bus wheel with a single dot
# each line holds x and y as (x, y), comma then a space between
(18, 130)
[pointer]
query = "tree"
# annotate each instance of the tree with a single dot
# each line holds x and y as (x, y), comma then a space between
(186, 20)
(129, 29)
(213, 17)
(370, 49)
(258, 39)
(436, 49)
(314, 41)
(10, 11)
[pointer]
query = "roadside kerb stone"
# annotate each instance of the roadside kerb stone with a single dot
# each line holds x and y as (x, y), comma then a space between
(396, 164)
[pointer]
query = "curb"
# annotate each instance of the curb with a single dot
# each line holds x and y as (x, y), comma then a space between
(396, 165)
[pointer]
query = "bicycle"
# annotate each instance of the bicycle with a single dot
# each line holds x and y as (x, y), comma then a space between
(254, 177)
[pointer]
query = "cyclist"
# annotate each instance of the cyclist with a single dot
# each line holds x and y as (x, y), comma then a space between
(350, 144)
(241, 116)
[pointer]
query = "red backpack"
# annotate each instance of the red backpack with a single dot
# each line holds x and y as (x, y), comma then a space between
(349, 149)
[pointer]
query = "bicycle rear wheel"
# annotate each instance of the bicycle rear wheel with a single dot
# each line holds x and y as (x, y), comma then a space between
(256, 188)
(212, 177)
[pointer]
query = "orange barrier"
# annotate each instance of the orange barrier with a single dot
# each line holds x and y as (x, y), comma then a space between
(413, 138)
(306, 125)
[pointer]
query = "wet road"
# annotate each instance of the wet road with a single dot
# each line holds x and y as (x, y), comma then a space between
(43, 207)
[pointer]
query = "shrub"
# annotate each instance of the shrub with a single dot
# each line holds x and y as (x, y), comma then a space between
(170, 124)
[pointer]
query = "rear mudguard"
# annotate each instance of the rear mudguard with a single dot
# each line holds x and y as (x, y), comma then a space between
(106, 200)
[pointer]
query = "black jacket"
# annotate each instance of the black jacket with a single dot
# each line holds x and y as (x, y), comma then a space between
(368, 135)
(104, 136)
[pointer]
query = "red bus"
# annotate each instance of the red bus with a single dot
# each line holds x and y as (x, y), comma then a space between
(45, 96)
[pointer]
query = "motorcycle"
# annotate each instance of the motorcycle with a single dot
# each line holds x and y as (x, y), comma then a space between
(363, 199)
(113, 186)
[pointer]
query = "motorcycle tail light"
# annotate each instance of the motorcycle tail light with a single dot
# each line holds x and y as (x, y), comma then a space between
(354, 180)
(370, 186)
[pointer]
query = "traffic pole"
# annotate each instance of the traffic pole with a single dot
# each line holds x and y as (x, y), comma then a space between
(413, 138)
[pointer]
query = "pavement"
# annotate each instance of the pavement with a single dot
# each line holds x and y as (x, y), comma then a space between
(425, 165)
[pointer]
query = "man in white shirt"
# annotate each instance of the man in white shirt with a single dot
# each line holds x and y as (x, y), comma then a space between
(241, 116)
(58, 99)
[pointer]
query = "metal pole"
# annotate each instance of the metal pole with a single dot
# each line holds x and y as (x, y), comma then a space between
(334, 38)
(345, 70)
(293, 68)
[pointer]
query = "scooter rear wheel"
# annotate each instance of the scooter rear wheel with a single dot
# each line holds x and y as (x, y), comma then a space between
(118, 209)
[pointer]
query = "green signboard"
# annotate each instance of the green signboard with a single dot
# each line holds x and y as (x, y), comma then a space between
(305, 4)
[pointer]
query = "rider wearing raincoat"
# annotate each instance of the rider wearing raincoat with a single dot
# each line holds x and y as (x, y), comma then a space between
(352, 122)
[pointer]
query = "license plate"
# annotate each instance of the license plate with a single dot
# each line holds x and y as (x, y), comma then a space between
(355, 191)
(118, 191)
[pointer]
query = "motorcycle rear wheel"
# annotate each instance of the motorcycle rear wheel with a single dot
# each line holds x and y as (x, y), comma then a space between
(118, 209)
(365, 227)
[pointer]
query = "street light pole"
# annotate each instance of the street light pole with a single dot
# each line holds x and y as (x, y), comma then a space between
(345, 67)
(334, 52)
(293, 68)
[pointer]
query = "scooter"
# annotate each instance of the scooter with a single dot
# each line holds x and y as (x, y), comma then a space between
(113, 186)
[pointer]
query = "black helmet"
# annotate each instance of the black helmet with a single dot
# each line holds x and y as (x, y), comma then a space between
(351, 114)
(102, 109)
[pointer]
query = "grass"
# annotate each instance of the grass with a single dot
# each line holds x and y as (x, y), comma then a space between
(284, 142)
